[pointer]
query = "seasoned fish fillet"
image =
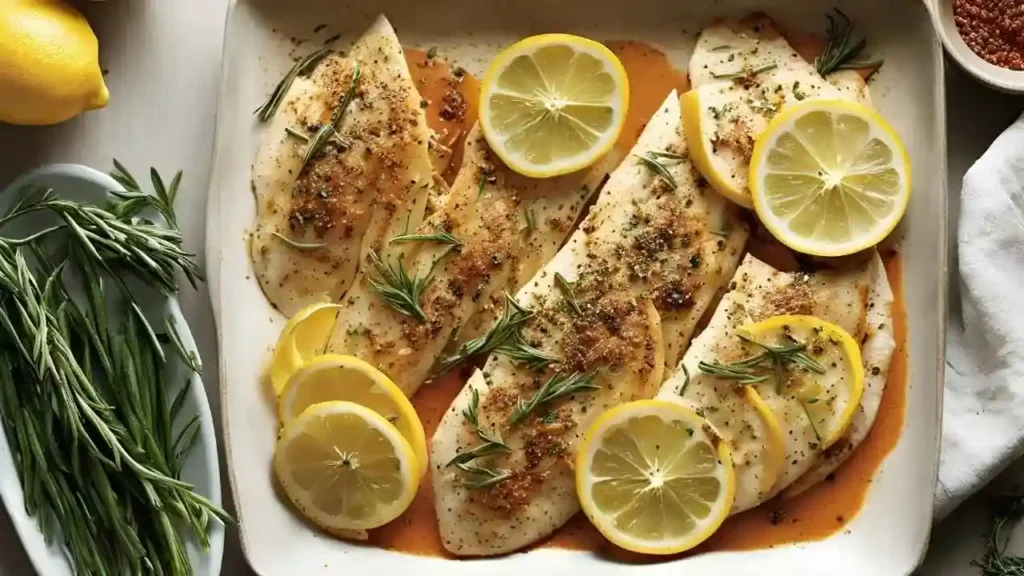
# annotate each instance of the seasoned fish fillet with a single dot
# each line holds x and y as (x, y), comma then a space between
(315, 223)
(622, 298)
(759, 292)
(721, 46)
(745, 72)
(503, 223)
(879, 344)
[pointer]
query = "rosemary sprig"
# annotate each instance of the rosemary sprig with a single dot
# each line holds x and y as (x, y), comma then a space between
(492, 443)
(745, 73)
(777, 357)
(299, 245)
(557, 386)
(505, 338)
(483, 477)
(1007, 509)
(651, 160)
(304, 66)
(399, 289)
(567, 292)
(329, 131)
(686, 380)
(841, 52)
(810, 420)
(296, 134)
(531, 221)
(441, 236)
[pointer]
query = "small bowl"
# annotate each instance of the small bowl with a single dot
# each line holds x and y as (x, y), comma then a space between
(1000, 78)
(80, 183)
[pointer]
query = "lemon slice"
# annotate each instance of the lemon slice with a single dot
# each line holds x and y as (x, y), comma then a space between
(653, 477)
(347, 378)
(829, 177)
(303, 337)
(553, 104)
(345, 467)
(829, 399)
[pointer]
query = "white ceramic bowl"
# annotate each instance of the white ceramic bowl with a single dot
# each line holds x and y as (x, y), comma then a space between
(995, 76)
(81, 183)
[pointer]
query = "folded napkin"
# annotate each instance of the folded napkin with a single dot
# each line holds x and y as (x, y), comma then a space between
(983, 413)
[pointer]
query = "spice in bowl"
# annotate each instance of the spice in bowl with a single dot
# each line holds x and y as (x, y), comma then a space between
(993, 29)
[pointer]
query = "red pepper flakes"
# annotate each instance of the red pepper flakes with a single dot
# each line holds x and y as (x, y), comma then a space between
(993, 29)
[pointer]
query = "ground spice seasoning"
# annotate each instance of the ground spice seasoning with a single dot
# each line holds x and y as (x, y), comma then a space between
(993, 29)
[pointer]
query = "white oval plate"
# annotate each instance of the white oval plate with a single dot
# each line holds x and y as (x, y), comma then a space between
(80, 183)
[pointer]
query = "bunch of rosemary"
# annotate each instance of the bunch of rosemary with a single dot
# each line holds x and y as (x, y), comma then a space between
(96, 437)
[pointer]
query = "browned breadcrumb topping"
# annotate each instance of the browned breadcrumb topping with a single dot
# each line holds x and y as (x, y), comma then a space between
(796, 297)
(514, 493)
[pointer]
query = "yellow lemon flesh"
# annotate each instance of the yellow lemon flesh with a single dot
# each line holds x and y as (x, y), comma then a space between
(49, 64)
(828, 399)
(304, 337)
(654, 478)
(347, 378)
(553, 104)
(345, 467)
(829, 177)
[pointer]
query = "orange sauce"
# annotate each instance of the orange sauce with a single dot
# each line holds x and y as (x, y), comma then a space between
(452, 97)
(813, 515)
(651, 78)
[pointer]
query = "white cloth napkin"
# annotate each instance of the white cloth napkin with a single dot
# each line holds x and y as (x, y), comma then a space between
(983, 413)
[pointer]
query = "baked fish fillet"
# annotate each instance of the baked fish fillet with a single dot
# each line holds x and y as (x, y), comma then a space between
(617, 304)
(757, 420)
(499, 226)
(315, 222)
(743, 73)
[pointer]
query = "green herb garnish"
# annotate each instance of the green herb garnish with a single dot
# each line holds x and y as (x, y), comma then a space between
(504, 338)
(299, 245)
(841, 52)
(567, 292)
(751, 370)
(745, 73)
(399, 289)
(304, 66)
(652, 160)
(557, 386)
(440, 236)
(329, 131)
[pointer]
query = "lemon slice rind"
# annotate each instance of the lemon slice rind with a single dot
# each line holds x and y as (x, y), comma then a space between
(287, 357)
(303, 499)
(618, 103)
(699, 430)
(782, 124)
(297, 397)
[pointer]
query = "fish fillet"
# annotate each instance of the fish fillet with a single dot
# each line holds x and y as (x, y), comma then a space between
(623, 298)
(316, 222)
(758, 292)
(505, 223)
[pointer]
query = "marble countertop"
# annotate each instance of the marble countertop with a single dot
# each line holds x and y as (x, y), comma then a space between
(163, 63)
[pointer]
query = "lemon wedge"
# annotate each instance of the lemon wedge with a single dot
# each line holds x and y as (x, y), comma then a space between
(553, 104)
(829, 397)
(654, 478)
(303, 337)
(829, 177)
(345, 467)
(346, 378)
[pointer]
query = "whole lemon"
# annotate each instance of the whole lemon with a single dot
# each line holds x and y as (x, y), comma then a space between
(49, 66)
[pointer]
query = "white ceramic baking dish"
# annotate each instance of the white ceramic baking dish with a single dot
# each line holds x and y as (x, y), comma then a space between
(888, 536)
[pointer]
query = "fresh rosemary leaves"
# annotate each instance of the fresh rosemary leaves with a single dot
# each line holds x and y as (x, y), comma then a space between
(559, 385)
(567, 292)
(505, 338)
(299, 245)
(841, 51)
(745, 73)
(441, 236)
(480, 477)
(652, 159)
(775, 357)
(398, 288)
(304, 66)
(97, 439)
(1007, 509)
(329, 131)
